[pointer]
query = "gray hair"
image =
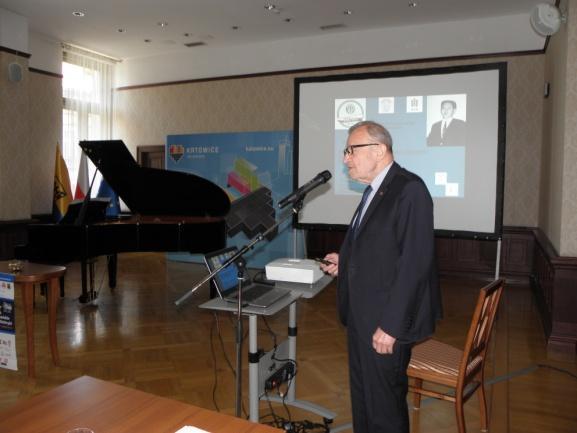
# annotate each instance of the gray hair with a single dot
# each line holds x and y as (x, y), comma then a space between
(376, 131)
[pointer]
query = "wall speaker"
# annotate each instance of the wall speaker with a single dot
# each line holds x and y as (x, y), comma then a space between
(15, 72)
(546, 19)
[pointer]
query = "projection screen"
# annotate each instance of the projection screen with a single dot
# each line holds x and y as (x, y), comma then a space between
(463, 170)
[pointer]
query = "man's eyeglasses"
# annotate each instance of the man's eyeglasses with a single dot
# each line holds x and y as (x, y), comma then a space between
(348, 151)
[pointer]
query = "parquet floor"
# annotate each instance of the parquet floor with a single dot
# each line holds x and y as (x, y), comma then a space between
(136, 336)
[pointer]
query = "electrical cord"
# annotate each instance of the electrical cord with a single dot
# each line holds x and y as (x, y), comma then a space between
(214, 368)
(560, 370)
(284, 398)
(271, 332)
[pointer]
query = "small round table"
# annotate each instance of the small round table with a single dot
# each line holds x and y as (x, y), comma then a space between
(36, 273)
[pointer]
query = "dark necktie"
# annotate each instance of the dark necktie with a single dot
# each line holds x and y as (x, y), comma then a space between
(359, 211)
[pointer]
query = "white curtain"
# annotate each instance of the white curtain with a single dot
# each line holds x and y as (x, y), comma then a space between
(88, 80)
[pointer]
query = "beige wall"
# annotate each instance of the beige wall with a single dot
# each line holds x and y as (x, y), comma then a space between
(558, 203)
(45, 132)
(569, 212)
(14, 141)
(30, 127)
(146, 116)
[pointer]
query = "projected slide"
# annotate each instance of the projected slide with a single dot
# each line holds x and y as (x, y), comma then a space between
(447, 126)
(430, 136)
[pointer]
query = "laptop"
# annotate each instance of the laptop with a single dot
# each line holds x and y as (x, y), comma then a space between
(226, 282)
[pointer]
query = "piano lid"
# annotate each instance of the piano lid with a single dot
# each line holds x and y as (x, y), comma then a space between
(151, 191)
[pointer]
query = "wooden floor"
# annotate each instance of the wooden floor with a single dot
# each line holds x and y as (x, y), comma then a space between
(136, 337)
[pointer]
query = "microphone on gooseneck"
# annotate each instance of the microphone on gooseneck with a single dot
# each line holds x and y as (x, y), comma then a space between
(318, 180)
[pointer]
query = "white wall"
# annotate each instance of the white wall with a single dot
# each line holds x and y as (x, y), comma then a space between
(481, 36)
(46, 53)
(13, 31)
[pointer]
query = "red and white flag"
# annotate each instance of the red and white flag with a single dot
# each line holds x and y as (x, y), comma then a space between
(82, 183)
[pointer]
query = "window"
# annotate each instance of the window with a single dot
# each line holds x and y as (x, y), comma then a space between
(87, 114)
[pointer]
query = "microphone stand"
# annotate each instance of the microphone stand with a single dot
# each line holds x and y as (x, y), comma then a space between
(237, 258)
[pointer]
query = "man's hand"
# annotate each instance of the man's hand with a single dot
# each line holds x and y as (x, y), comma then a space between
(332, 268)
(383, 342)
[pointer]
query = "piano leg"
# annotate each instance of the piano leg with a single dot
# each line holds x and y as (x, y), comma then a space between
(87, 278)
(83, 298)
(112, 267)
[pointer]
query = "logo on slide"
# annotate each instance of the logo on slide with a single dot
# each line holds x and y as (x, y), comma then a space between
(349, 112)
(176, 151)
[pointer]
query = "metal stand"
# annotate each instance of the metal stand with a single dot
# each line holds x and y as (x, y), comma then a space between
(290, 399)
(498, 259)
(240, 263)
(298, 290)
(237, 258)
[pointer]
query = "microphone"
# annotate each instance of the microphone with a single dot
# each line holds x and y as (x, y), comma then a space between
(319, 179)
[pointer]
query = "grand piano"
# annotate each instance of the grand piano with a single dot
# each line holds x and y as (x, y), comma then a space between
(171, 211)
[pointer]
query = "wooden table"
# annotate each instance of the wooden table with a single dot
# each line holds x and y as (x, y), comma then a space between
(35, 273)
(109, 408)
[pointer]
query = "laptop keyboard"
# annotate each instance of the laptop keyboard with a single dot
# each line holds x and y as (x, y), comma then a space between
(253, 293)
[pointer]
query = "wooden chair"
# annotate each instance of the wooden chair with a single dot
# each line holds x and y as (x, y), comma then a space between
(461, 370)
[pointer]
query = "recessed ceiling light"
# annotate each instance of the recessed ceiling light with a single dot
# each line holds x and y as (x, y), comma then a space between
(121, 30)
(412, 4)
(235, 27)
(347, 12)
(269, 7)
(288, 20)
(148, 41)
(332, 26)
(162, 23)
(78, 14)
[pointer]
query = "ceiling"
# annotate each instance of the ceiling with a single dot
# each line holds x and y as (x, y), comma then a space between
(132, 28)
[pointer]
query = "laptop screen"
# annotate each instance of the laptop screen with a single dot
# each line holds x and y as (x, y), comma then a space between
(227, 279)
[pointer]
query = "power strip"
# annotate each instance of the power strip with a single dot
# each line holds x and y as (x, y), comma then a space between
(285, 373)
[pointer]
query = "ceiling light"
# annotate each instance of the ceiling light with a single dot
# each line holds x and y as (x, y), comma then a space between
(412, 4)
(162, 24)
(347, 12)
(148, 41)
(78, 14)
(121, 30)
(235, 27)
(195, 44)
(288, 20)
(269, 7)
(332, 26)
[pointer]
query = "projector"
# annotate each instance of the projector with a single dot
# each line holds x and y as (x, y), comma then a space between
(294, 270)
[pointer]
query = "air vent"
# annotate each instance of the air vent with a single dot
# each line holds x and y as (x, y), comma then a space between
(332, 27)
(194, 44)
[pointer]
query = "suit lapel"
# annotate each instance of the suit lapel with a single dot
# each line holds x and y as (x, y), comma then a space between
(379, 195)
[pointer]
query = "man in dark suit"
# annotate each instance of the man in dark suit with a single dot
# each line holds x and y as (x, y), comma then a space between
(448, 131)
(388, 292)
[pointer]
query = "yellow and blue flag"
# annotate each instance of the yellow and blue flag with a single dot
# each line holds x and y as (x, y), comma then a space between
(62, 191)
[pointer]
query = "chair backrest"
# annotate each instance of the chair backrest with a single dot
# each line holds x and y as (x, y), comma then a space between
(473, 360)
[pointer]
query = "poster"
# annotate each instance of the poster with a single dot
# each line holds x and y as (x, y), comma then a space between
(8, 357)
(244, 164)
